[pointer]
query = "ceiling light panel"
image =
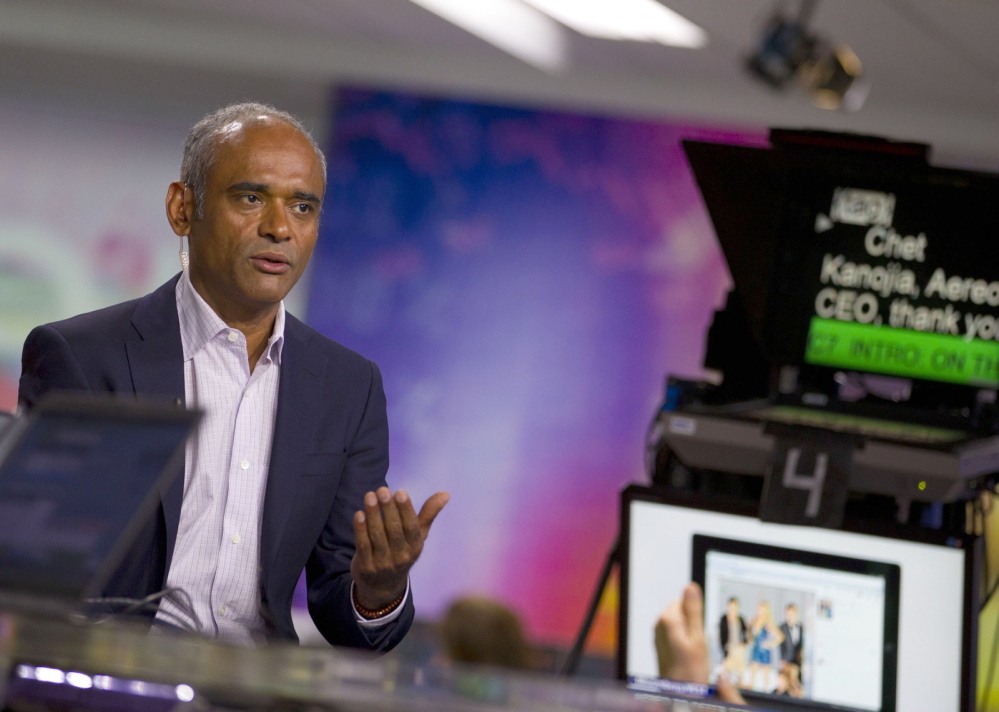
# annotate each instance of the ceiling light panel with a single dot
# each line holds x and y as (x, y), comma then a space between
(641, 20)
(510, 25)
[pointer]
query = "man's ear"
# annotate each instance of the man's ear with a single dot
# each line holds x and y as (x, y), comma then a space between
(180, 208)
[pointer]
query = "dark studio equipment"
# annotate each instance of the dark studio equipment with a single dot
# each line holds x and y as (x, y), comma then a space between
(819, 336)
(789, 52)
(784, 45)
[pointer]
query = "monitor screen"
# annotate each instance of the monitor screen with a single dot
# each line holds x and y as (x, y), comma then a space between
(760, 600)
(71, 485)
(819, 618)
(890, 271)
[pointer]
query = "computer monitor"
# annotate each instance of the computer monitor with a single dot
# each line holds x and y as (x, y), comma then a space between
(868, 619)
(79, 476)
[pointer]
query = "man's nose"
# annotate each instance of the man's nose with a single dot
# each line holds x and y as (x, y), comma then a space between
(274, 223)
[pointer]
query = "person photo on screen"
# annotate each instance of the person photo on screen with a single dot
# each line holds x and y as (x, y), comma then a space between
(794, 639)
(286, 470)
(789, 681)
(732, 637)
(766, 638)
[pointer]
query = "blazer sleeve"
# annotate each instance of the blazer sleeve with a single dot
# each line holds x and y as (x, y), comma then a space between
(48, 363)
(328, 568)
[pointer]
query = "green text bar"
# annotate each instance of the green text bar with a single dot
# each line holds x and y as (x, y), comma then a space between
(901, 352)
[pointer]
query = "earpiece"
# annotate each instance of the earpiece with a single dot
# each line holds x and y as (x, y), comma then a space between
(185, 259)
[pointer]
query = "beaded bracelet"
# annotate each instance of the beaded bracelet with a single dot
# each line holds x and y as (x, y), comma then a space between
(371, 615)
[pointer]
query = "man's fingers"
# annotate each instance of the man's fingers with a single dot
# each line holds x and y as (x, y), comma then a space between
(362, 543)
(430, 509)
(410, 521)
(394, 535)
(693, 609)
(375, 527)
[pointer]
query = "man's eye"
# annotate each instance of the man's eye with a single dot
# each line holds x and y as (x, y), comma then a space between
(252, 199)
(303, 208)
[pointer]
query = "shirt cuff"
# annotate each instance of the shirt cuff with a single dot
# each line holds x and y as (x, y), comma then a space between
(384, 620)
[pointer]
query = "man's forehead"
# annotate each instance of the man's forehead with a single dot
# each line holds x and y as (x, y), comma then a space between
(243, 144)
(260, 128)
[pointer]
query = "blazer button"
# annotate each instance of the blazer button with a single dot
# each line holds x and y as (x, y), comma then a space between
(178, 402)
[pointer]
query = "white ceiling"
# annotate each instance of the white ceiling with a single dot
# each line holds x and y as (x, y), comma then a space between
(933, 65)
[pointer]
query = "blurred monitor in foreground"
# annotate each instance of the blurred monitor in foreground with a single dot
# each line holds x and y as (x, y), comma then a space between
(79, 479)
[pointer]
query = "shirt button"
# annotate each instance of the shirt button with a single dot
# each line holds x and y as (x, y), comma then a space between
(236, 539)
(233, 336)
(223, 610)
(244, 465)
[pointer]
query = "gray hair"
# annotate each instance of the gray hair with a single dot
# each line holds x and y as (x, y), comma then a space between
(202, 142)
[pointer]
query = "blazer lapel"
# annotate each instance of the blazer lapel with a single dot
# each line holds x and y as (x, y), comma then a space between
(294, 425)
(156, 363)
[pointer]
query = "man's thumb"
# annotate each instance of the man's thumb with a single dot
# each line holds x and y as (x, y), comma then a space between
(431, 508)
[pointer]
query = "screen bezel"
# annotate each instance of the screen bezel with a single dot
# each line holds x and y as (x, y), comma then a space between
(971, 546)
(702, 544)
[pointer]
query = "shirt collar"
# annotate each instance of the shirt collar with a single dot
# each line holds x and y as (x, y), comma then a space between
(199, 323)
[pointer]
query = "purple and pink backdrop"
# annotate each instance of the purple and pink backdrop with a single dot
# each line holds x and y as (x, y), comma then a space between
(525, 280)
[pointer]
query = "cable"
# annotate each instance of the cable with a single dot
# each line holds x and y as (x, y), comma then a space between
(992, 666)
(176, 596)
(178, 621)
(990, 589)
(982, 514)
(995, 633)
(182, 599)
(805, 11)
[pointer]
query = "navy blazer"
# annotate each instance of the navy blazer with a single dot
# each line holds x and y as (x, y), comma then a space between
(330, 448)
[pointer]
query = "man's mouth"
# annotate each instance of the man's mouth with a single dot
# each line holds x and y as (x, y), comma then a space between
(271, 262)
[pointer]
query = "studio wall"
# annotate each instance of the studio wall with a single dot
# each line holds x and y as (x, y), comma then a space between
(82, 223)
(525, 280)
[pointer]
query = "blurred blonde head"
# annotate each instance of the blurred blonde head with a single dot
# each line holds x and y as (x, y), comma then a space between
(764, 614)
(482, 631)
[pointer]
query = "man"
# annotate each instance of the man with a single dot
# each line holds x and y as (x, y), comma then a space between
(791, 647)
(731, 629)
(287, 469)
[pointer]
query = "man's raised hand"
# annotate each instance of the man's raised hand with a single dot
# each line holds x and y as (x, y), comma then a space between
(389, 537)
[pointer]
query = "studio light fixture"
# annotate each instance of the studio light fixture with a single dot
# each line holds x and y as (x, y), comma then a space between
(833, 78)
(639, 20)
(511, 25)
(784, 46)
(788, 50)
